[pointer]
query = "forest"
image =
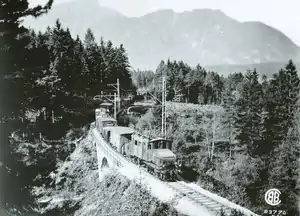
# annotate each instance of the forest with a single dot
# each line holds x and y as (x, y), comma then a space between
(244, 133)
(256, 119)
(47, 72)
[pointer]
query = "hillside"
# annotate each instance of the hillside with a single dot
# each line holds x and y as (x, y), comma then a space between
(74, 188)
(205, 36)
(263, 68)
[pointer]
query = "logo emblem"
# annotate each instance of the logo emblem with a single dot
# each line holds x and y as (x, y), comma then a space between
(272, 197)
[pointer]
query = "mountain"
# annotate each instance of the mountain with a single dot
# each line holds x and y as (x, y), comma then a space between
(204, 36)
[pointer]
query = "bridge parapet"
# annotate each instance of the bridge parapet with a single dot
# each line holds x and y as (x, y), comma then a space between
(106, 151)
(179, 194)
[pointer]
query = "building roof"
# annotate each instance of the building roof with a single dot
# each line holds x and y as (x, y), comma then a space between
(160, 139)
(120, 130)
(101, 109)
(106, 104)
(163, 153)
(106, 119)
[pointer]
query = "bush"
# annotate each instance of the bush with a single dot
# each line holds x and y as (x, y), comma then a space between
(235, 212)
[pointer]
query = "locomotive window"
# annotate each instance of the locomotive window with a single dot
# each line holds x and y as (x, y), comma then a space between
(149, 147)
(127, 136)
(135, 142)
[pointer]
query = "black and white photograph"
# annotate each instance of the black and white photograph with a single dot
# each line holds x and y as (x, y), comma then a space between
(149, 108)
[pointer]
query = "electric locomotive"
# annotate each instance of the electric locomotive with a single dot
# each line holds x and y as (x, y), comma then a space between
(154, 154)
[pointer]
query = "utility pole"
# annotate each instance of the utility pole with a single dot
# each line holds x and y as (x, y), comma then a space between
(154, 89)
(163, 105)
(44, 112)
(117, 87)
(53, 117)
(118, 92)
(178, 95)
(153, 83)
(188, 98)
(115, 106)
(141, 204)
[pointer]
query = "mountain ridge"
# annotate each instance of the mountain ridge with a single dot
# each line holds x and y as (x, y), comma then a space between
(200, 36)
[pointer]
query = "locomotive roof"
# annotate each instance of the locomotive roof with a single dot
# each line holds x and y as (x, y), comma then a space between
(101, 109)
(142, 136)
(163, 153)
(120, 130)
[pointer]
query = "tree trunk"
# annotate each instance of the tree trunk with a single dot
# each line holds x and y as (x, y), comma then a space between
(213, 137)
(207, 144)
(230, 140)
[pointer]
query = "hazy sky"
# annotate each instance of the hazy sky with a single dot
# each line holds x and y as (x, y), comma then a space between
(280, 14)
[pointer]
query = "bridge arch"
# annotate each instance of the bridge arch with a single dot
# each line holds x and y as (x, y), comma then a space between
(104, 163)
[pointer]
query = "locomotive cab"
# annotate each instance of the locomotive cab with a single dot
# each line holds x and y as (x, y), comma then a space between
(155, 154)
(162, 154)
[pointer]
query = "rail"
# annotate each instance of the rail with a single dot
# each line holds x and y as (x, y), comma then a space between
(210, 201)
(200, 199)
(213, 204)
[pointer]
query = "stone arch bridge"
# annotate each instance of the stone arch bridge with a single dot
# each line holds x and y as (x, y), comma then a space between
(188, 199)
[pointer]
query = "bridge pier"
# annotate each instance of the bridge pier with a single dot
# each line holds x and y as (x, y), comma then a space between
(102, 160)
(105, 157)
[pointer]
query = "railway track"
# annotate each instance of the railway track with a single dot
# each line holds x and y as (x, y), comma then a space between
(209, 203)
(184, 190)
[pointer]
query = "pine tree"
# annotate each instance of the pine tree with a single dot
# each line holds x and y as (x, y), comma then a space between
(79, 68)
(13, 42)
(229, 104)
(91, 58)
(195, 86)
(122, 67)
(284, 167)
(264, 83)
(11, 13)
(293, 87)
(280, 104)
(249, 108)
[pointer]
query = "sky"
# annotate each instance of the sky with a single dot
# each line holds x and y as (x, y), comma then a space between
(283, 15)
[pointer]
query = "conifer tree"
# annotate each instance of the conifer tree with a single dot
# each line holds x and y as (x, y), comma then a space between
(249, 108)
(284, 167)
(92, 58)
(12, 53)
(11, 13)
(229, 104)
(79, 68)
(280, 105)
